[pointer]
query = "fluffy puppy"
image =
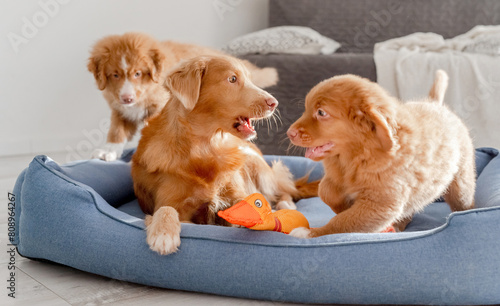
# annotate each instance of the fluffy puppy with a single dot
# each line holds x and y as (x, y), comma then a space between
(194, 158)
(384, 160)
(130, 70)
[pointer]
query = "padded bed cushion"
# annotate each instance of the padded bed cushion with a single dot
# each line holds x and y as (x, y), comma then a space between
(85, 215)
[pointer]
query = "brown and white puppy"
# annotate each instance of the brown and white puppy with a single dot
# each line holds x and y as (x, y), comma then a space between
(194, 158)
(384, 160)
(130, 69)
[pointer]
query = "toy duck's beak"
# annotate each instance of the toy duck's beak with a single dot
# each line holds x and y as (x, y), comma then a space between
(241, 213)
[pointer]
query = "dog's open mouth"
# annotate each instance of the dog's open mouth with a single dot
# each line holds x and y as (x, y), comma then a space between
(318, 152)
(244, 126)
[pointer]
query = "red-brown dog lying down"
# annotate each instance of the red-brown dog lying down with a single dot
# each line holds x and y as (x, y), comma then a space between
(384, 160)
(194, 158)
(130, 69)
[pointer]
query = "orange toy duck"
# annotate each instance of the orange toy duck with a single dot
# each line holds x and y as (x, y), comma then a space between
(255, 213)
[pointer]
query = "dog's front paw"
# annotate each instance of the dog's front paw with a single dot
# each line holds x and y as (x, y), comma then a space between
(301, 232)
(286, 205)
(110, 152)
(105, 155)
(164, 243)
(163, 231)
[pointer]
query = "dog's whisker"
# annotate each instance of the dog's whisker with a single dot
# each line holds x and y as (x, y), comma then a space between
(294, 150)
(276, 123)
(278, 116)
(291, 150)
(271, 122)
(283, 139)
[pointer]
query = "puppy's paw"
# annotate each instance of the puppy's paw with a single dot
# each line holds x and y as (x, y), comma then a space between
(110, 152)
(301, 232)
(104, 155)
(286, 205)
(163, 231)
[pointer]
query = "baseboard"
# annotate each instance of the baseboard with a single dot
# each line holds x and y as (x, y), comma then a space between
(76, 148)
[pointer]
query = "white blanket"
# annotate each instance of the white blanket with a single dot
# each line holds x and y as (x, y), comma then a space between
(406, 68)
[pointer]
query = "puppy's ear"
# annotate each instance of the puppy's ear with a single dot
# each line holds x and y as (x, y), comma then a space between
(184, 81)
(96, 66)
(382, 118)
(157, 58)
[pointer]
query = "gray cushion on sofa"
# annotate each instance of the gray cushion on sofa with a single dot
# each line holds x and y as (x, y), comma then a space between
(298, 74)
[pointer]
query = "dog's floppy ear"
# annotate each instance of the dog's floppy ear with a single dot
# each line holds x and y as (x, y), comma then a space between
(96, 66)
(382, 119)
(157, 58)
(383, 129)
(184, 81)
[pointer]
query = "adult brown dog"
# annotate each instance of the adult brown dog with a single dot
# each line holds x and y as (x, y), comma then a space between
(384, 160)
(130, 69)
(194, 158)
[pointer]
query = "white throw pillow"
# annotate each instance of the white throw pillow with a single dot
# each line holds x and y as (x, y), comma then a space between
(283, 39)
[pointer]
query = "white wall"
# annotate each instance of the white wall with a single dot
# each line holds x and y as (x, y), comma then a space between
(48, 99)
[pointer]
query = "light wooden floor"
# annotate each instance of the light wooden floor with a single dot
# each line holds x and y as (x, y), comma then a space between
(48, 284)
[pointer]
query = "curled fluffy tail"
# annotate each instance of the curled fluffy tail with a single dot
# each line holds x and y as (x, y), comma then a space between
(262, 77)
(439, 87)
(298, 189)
(305, 189)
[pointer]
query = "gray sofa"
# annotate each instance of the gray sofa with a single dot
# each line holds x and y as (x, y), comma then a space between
(357, 25)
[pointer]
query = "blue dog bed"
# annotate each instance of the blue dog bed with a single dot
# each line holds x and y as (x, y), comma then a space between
(85, 215)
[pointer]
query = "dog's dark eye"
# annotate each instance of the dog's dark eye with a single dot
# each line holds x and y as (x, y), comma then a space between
(321, 112)
(232, 79)
(137, 74)
(116, 76)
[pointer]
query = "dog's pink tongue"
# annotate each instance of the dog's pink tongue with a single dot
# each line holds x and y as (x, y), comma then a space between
(311, 153)
(315, 152)
(245, 127)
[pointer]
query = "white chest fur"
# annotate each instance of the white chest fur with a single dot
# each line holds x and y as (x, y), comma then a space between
(133, 113)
